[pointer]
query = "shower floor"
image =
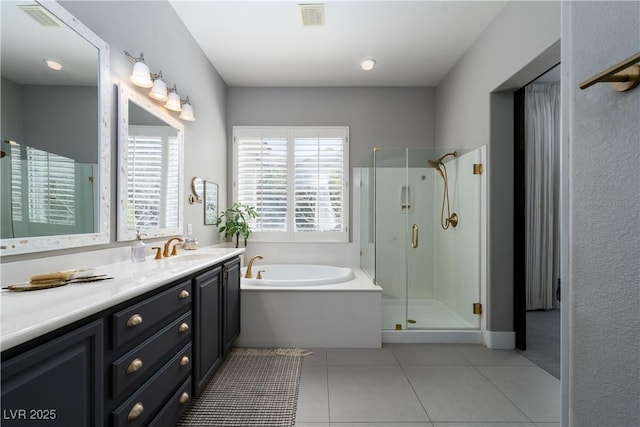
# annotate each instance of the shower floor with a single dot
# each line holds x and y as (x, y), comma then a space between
(427, 313)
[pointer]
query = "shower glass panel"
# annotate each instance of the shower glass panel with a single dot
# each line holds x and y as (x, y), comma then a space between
(430, 275)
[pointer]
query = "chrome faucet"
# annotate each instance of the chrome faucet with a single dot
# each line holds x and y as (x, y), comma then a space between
(165, 253)
(248, 274)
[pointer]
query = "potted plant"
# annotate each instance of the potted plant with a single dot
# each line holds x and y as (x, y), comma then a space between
(235, 222)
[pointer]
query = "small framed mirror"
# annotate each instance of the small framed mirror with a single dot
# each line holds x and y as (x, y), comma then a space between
(151, 164)
(210, 202)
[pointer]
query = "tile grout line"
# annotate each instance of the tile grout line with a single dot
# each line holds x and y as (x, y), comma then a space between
(412, 388)
(326, 368)
(499, 390)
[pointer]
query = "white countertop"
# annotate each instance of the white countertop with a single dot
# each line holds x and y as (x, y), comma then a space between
(28, 315)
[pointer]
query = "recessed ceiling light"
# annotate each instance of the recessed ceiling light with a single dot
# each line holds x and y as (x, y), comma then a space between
(54, 65)
(368, 64)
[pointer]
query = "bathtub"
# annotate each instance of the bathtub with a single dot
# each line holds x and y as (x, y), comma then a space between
(319, 306)
(298, 275)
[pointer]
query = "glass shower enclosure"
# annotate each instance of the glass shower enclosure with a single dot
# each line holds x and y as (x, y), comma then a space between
(420, 235)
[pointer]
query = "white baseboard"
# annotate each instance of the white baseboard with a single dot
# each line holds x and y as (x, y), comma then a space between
(500, 340)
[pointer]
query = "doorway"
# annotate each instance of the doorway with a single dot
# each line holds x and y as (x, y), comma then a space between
(537, 289)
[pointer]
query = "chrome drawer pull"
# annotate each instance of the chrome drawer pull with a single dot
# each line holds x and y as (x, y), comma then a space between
(135, 411)
(184, 398)
(184, 294)
(134, 320)
(184, 361)
(183, 328)
(134, 366)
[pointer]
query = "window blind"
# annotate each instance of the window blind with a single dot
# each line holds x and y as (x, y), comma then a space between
(296, 178)
(152, 156)
(50, 183)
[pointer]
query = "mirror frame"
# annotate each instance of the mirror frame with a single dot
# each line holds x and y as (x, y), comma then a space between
(23, 245)
(126, 94)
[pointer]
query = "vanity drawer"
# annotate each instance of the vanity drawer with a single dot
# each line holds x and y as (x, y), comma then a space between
(133, 321)
(138, 362)
(171, 412)
(144, 403)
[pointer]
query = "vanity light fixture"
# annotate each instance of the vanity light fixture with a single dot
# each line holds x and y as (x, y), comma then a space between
(368, 64)
(173, 101)
(187, 111)
(54, 65)
(141, 76)
(159, 89)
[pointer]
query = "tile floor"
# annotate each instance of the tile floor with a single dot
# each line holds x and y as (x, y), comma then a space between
(420, 385)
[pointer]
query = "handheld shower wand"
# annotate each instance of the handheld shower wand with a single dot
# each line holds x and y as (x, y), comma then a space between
(451, 218)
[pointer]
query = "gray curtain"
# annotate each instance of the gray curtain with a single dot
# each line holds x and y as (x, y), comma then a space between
(542, 137)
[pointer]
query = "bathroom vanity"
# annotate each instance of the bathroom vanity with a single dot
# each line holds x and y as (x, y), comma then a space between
(131, 351)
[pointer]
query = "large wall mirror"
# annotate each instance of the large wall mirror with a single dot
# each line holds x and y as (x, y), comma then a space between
(150, 165)
(55, 130)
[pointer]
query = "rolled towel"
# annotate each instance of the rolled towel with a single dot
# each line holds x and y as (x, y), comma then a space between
(51, 277)
(61, 276)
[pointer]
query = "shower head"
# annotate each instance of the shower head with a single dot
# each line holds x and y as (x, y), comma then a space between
(439, 160)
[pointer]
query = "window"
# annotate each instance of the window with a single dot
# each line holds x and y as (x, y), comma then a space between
(296, 178)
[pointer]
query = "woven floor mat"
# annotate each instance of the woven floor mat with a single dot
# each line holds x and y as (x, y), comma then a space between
(254, 387)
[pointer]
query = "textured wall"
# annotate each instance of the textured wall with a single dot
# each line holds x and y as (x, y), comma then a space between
(603, 131)
(474, 107)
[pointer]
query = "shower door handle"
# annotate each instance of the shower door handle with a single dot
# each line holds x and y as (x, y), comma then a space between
(414, 236)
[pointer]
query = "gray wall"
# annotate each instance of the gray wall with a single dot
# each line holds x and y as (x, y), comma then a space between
(154, 28)
(61, 120)
(376, 116)
(603, 133)
(474, 107)
(11, 119)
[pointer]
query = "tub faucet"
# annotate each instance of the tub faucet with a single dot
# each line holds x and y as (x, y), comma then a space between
(165, 253)
(248, 274)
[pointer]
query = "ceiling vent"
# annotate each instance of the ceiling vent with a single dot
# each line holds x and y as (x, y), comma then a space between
(312, 14)
(41, 15)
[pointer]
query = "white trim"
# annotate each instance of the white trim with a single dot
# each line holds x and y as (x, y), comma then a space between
(126, 94)
(432, 336)
(500, 340)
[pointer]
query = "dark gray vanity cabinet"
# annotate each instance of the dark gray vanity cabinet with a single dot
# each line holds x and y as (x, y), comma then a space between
(231, 304)
(217, 318)
(208, 326)
(57, 383)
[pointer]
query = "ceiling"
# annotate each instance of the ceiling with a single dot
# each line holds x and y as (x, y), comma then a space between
(264, 44)
(25, 44)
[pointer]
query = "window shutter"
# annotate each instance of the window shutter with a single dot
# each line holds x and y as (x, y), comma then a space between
(154, 167)
(50, 187)
(318, 194)
(262, 180)
(295, 178)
